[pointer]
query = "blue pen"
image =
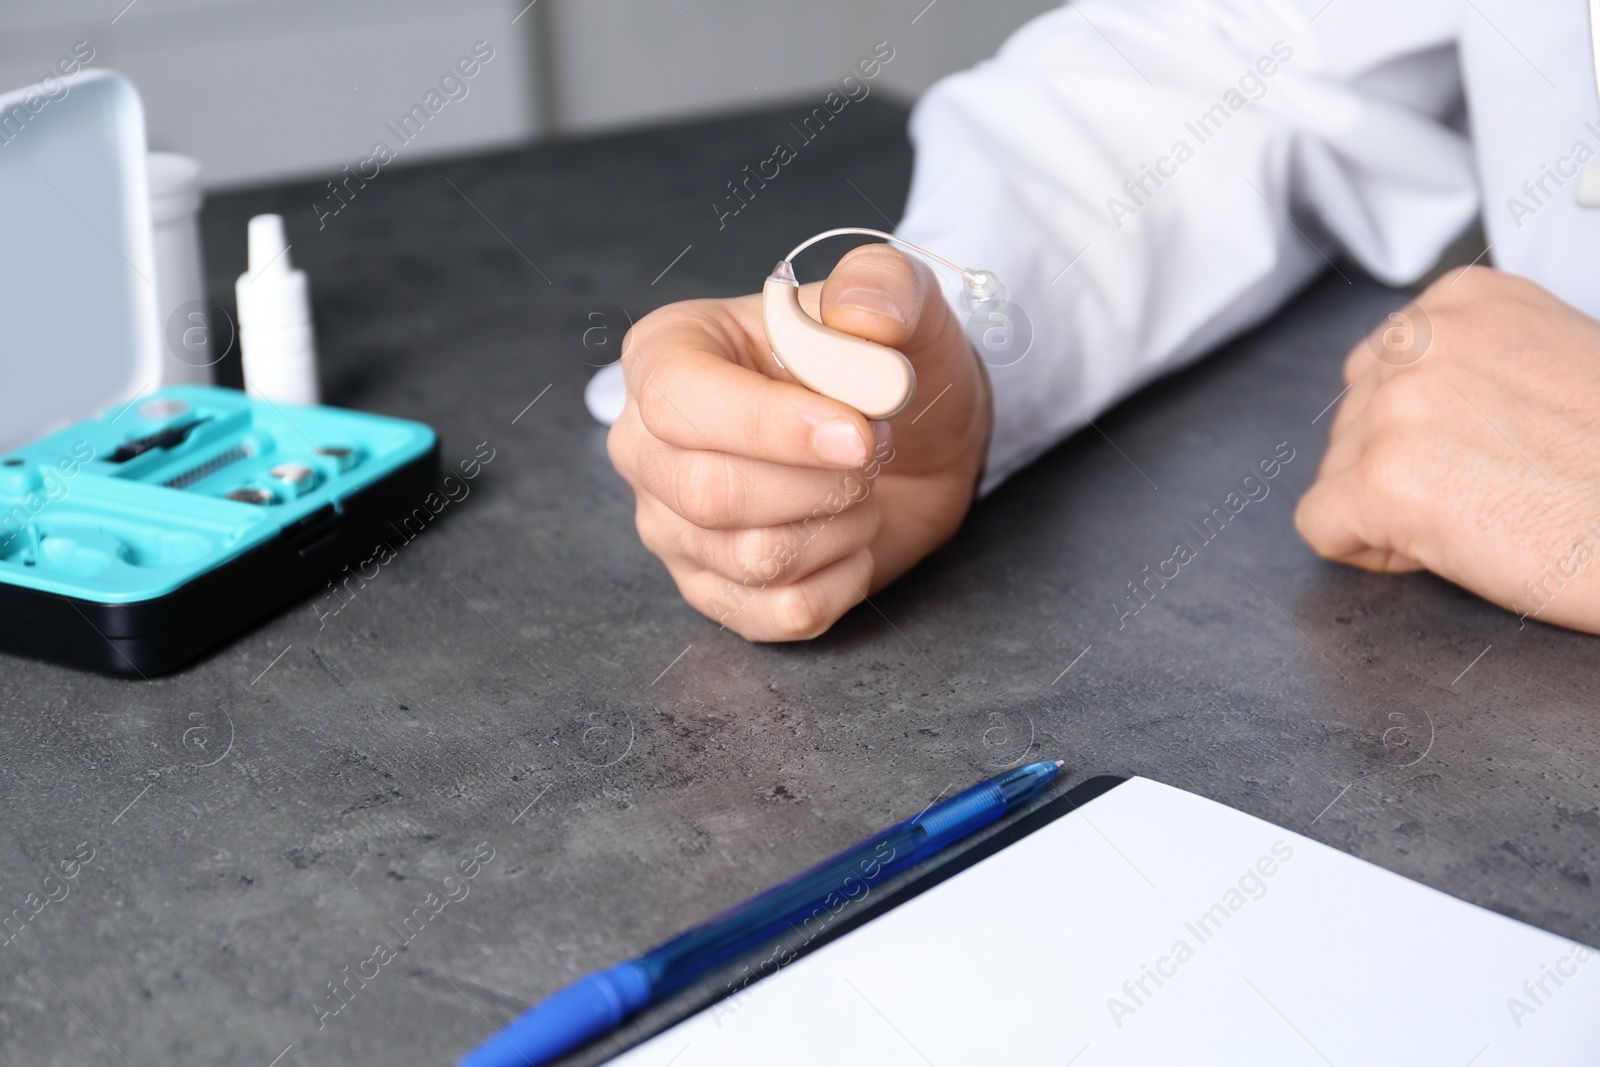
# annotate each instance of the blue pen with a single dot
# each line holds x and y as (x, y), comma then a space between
(600, 1001)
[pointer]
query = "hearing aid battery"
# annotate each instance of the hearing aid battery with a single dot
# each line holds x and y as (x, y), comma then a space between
(297, 478)
(343, 457)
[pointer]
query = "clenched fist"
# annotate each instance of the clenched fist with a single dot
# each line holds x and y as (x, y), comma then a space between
(1476, 455)
(776, 510)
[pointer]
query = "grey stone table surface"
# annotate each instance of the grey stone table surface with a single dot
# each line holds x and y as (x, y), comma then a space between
(521, 694)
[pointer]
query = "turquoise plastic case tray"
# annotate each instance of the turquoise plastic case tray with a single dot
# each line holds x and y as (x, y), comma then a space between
(136, 507)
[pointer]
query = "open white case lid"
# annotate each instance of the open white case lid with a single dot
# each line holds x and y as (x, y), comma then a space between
(77, 276)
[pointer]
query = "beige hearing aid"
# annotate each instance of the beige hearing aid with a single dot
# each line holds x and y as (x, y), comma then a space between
(874, 379)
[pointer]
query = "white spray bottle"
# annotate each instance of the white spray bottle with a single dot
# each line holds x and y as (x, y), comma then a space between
(276, 340)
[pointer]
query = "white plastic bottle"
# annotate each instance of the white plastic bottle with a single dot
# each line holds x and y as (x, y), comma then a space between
(277, 343)
(189, 354)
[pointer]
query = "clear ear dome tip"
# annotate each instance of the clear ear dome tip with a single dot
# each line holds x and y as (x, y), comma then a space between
(983, 283)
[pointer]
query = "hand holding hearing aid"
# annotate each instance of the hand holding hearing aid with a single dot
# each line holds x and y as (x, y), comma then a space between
(774, 507)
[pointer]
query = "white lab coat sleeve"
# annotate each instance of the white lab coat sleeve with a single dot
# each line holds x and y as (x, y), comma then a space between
(1151, 177)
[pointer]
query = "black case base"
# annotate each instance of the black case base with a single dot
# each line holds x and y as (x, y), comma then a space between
(156, 636)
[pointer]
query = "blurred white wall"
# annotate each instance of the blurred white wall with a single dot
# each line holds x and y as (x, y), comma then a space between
(617, 63)
(267, 89)
(264, 89)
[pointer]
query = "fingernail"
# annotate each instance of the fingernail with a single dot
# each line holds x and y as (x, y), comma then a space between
(838, 442)
(874, 300)
(881, 436)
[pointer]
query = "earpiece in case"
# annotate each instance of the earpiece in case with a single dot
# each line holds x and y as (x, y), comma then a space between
(874, 379)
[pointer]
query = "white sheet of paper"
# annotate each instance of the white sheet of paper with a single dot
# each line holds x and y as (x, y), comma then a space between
(1266, 947)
